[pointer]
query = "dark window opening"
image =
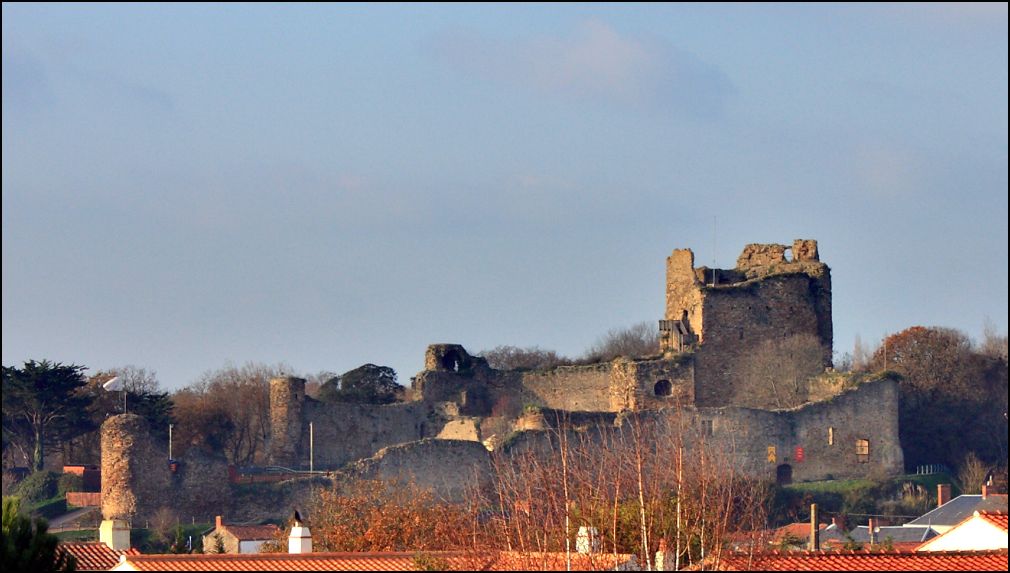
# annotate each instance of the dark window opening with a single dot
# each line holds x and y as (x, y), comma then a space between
(663, 388)
(706, 428)
(784, 474)
(451, 361)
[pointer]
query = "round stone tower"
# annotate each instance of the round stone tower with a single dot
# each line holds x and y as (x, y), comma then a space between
(287, 396)
(135, 473)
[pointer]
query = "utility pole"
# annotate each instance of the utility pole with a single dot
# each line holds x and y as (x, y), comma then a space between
(311, 449)
(170, 441)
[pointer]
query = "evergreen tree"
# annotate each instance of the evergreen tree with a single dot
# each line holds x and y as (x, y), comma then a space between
(45, 402)
(27, 545)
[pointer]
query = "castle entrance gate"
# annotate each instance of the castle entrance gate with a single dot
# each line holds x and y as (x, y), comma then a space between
(784, 474)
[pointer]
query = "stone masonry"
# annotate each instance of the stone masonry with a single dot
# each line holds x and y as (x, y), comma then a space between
(716, 322)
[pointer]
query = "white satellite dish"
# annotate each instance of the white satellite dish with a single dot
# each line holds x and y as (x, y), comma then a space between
(113, 384)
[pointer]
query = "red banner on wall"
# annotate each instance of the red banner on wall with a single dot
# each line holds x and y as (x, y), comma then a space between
(799, 453)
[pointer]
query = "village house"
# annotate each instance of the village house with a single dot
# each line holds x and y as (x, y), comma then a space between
(301, 557)
(865, 560)
(231, 538)
(983, 531)
(951, 512)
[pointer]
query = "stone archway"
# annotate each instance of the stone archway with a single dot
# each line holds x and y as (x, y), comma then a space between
(784, 474)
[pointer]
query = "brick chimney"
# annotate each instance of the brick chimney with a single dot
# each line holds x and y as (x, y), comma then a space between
(839, 522)
(218, 522)
(873, 530)
(985, 491)
(942, 494)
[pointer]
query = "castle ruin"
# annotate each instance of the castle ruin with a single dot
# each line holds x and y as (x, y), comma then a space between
(745, 357)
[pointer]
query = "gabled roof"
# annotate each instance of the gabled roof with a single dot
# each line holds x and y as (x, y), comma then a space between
(94, 555)
(968, 538)
(997, 518)
(252, 532)
(896, 534)
(960, 508)
(866, 561)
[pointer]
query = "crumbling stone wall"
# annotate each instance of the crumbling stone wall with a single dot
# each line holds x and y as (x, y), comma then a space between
(200, 487)
(731, 313)
(652, 383)
(758, 441)
(448, 467)
(574, 388)
(346, 432)
(869, 411)
(135, 473)
(137, 480)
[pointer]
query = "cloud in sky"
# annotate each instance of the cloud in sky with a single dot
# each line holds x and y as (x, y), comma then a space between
(594, 62)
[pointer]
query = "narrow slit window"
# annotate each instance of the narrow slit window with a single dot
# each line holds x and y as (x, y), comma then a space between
(831, 436)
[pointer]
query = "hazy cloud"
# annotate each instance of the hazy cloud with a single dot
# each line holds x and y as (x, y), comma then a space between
(594, 62)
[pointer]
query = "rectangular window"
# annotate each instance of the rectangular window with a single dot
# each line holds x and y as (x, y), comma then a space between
(706, 427)
(831, 436)
(862, 451)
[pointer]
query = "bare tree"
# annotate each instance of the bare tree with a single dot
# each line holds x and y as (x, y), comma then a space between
(993, 344)
(972, 474)
(228, 410)
(516, 358)
(636, 341)
(778, 372)
(137, 380)
(626, 483)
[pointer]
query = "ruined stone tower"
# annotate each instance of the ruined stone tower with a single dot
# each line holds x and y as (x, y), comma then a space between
(729, 317)
(287, 397)
(135, 473)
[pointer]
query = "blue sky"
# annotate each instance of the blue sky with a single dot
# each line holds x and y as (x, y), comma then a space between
(324, 186)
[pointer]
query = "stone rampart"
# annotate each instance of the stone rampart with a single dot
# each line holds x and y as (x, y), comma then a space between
(448, 467)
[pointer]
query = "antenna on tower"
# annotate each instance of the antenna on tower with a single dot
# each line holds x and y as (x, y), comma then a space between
(715, 233)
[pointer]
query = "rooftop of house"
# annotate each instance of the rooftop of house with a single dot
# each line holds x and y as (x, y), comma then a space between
(894, 533)
(252, 532)
(997, 518)
(799, 530)
(866, 561)
(964, 536)
(263, 532)
(94, 555)
(386, 561)
(960, 508)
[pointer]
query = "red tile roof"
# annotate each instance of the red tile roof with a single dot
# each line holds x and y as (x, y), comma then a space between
(94, 555)
(800, 530)
(392, 561)
(997, 518)
(867, 561)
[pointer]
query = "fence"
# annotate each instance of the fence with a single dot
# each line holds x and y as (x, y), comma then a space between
(930, 469)
(84, 499)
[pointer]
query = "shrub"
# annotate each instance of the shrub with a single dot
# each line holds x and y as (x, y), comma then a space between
(69, 482)
(38, 486)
